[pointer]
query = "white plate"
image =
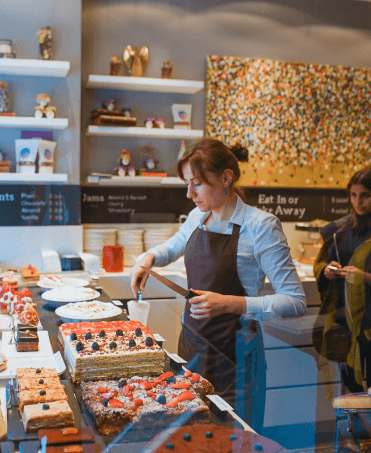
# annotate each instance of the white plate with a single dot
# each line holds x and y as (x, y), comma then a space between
(69, 294)
(71, 312)
(5, 323)
(73, 282)
(45, 348)
(53, 361)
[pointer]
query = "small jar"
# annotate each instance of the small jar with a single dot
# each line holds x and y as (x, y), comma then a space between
(167, 69)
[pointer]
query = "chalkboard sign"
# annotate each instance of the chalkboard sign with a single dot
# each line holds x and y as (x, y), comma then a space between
(39, 205)
(122, 204)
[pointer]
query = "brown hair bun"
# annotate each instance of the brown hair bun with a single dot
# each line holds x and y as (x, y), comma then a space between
(241, 152)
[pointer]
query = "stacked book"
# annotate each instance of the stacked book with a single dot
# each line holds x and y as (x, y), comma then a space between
(105, 117)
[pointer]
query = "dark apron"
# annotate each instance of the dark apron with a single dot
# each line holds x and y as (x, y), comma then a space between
(209, 345)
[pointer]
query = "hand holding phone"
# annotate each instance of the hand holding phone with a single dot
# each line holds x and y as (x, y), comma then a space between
(332, 268)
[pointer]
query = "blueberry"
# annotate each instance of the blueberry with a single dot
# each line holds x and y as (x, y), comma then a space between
(161, 399)
(105, 403)
(122, 383)
(187, 437)
(171, 380)
(73, 336)
(119, 333)
(38, 370)
(41, 381)
(258, 447)
(46, 407)
(138, 332)
(113, 345)
(149, 341)
(102, 333)
(79, 346)
(42, 392)
(132, 343)
(209, 434)
(95, 346)
(170, 445)
(88, 336)
(233, 437)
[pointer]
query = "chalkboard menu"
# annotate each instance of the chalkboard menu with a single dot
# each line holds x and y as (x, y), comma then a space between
(122, 204)
(43, 205)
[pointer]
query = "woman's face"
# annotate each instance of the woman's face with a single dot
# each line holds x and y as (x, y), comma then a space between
(206, 197)
(360, 197)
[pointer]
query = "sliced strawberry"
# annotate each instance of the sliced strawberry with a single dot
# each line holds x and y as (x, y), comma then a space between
(103, 390)
(115, 403)
(126, 390)
(187, 373)
(184, 396)
(146, 385)
(164, 376)
(195, 378)
(138, 402)
(109, 395)
(151, 394)
(156, 382)
(180, 385)
(172, 403)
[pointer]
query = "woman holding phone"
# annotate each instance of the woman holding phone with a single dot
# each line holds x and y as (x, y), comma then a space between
(343, 273)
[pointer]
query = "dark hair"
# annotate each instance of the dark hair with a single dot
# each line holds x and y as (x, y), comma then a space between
(210, 155)
(361, 177)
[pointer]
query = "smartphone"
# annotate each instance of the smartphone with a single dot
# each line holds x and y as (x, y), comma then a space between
(332, 268)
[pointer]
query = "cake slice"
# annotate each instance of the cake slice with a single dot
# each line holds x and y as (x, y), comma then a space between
(27, 397)
(36, 373)
(38, 384)
(44, 415)
(67, 435)
(27, 340)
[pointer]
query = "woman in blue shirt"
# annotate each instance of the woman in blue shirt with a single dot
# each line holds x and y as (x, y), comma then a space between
(229, 248)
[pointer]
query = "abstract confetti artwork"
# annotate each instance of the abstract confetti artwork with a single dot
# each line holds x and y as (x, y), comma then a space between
(305, 125)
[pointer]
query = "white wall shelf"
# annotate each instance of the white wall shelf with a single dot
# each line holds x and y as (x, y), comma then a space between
(145, 84)
(136, 181)
(41, 68)
(31, 122)
(36, 177)
(182, 134)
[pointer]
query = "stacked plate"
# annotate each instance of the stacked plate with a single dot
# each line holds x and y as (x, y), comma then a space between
(132, 241)
(96, 239)
(156, 236)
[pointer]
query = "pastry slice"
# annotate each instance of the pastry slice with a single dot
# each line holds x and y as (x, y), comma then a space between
(27, 397)
(45, 415)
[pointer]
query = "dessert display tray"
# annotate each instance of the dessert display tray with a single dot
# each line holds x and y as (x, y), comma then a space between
(53, 361)
(45, 348)
(105, 312)
(61, 296)
(16, 431)
(65, 281)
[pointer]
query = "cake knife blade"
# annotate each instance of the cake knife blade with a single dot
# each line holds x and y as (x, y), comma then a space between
(188, 294)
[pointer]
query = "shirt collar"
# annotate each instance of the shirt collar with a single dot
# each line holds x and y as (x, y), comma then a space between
(238, 215)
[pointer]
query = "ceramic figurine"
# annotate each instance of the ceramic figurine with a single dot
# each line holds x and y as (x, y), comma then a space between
(127, 113)
(155, 123)
(115, 68)
(167, 69)
(136, 60)
(150, 163)
(45, 43)
(124, 161)
(109, 104)
(131, 170)
(159, 122)
(42, 109)
(4, 97)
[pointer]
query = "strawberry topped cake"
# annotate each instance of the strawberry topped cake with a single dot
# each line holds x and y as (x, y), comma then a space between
(106, 350)
(146, 401)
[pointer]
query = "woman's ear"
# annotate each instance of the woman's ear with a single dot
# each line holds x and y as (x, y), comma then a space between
(227, 177)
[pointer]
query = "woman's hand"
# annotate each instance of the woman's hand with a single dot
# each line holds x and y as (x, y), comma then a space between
(352, 273)
(330, 273)
(208, 304)
(138, 275)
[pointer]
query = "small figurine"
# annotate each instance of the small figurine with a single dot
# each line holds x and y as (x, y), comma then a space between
(115, 68)
(155, 123)
(131, 170)
(124, 161)
(136, 60)
(167, 69)
(109, 104)
(150, 163)
(45, 42)
(42, 109)
(4, 97)
(6, 49)
(127, 113)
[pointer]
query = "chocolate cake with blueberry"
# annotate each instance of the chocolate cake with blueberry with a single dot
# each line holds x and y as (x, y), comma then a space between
(147, 401)
(94, 352)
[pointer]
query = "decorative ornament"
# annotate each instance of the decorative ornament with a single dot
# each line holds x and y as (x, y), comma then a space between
(45, 42)
(124, 161)
(4, 97)
(167, 69)
(136, 60)
(115, 68)
(109, 104)
(42, 109)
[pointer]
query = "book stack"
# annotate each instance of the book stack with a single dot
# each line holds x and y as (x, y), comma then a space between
(105, 117)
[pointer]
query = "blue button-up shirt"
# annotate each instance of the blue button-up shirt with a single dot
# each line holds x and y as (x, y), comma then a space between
(262, 251)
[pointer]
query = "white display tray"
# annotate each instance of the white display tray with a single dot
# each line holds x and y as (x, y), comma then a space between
(5, 323)
(52, 361)
(75, 295)
(73, 282)
(45, 348)
(70, 316)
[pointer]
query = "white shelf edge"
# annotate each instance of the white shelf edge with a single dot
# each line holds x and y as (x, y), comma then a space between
(31, 122)
(29, 67)
(36, 177)
(145, 132)
(145, 84)
(137, 181)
